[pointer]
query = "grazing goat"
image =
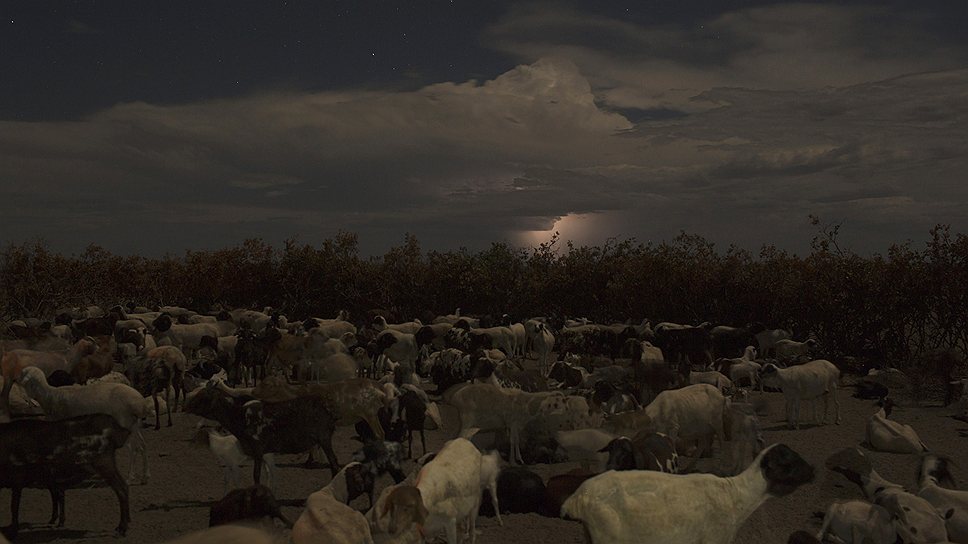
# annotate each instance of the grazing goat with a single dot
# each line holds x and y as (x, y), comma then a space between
(328, 518)
(450, 489)
(584, 446)
(650, 451)
(250, 503)
(653, 507)
(55, 454)
(808, 381)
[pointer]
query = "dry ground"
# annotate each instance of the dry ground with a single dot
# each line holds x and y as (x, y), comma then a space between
(185, 480)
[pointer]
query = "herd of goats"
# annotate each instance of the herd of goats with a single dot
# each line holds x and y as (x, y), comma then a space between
(623, 400)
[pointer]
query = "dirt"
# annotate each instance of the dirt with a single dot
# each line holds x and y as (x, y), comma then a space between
(185, 480)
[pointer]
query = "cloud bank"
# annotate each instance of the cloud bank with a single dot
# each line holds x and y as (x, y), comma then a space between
(736, 130)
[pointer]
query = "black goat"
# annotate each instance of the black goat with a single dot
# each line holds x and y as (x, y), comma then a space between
(251, 503)
(57, 454)
(290, 426)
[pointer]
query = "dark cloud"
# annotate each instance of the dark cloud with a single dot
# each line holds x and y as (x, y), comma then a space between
(736, 128)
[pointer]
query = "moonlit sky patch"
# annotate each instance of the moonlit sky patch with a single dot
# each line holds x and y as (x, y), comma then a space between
(197, 126)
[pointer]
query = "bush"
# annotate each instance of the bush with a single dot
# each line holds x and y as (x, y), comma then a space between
(894, 307)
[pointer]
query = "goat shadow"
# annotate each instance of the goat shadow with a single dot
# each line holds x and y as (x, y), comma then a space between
(784, 427)
(40, 533)
(176, 504)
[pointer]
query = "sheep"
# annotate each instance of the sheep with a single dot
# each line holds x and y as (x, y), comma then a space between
(748, 370)
(55, 454)
(490, 471)
(645, 506)
(951, 503)
(887, 435)
(520, 339)
(285, 426)
(584, 446)
(857, 522)
(695, 412)
(766, 339)
(501, 338)
(649, 451)
(123, 402)
(544, 343)
(380, 324)
(450, 491)
(250, 503)
(95, 361)
(185, 337)
(13, 362)
(328, 519)
(805, 382)
(163, 370)
(791, 349)
(398, 347)
(713, 378)
(915, 519)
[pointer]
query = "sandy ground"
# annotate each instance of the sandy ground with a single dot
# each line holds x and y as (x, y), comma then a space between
(185, 480)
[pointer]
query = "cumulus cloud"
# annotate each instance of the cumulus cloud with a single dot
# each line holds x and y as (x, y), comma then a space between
(768, 130)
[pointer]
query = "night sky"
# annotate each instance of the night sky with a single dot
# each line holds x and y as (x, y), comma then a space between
(159, 127)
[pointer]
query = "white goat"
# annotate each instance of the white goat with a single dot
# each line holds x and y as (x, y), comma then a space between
(952, 504)
(886, 435)
(585, 445)
(915, 519)
(226, 449)
(857, 522)
(713, 378)
(791, 349)
(809, 381)
(648, 507)
(450, 486)
(544, 343)
(490, 470)
(695, 412)
(328, 519)
(768, 338)
(124, 403)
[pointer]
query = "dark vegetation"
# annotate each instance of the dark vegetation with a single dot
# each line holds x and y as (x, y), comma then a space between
(902, 306)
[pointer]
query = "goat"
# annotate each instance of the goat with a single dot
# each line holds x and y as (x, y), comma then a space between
(809, 381)
(327, 518)
(915, 519)
(124, 403)
(951, 503)
(649, 451)
(645, 506)
(249, 503)
(887, 435)
(288, 426)
(55, 454)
